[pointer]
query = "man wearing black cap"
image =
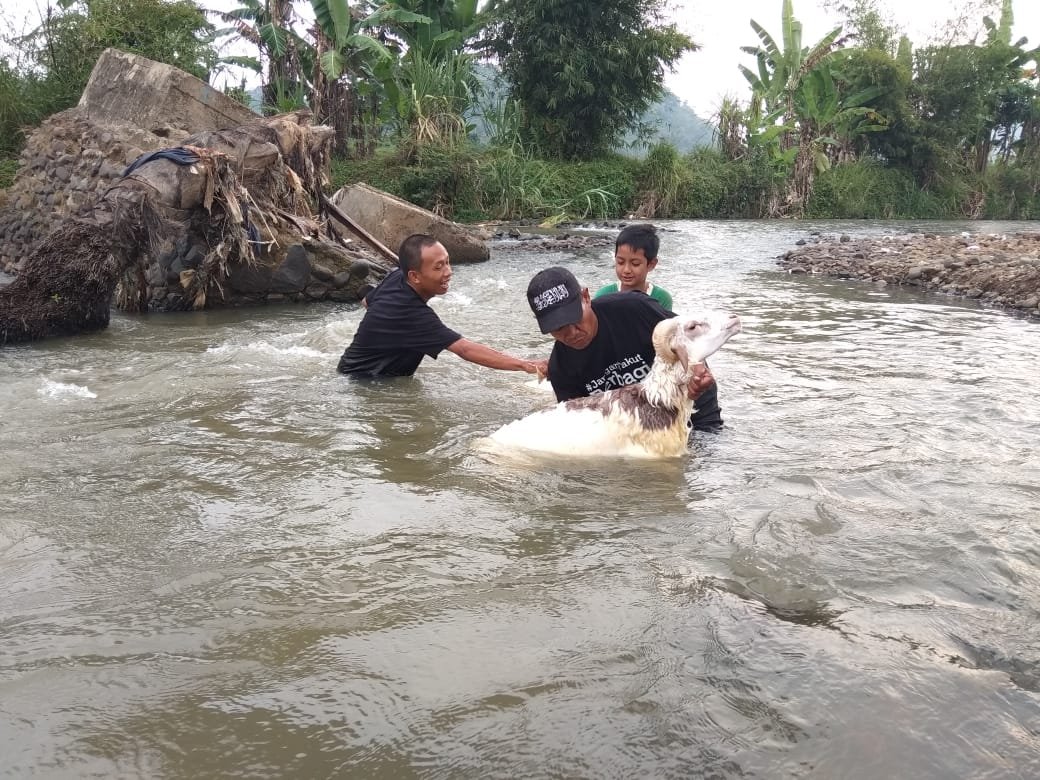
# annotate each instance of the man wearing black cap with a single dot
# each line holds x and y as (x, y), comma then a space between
(399, 329)
(605, 343)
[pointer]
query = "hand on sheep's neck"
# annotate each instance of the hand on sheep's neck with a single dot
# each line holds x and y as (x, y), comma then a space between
(700, 380)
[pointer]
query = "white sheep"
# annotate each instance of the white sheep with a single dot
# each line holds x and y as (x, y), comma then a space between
(648, 419)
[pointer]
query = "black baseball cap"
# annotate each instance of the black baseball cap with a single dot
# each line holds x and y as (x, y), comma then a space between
(555, 298)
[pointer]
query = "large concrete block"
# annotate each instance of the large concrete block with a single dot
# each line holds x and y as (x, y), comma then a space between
(130, 89)
(391, 220)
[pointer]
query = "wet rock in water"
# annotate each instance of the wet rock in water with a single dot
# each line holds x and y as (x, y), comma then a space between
(997, 270)
(549, 239)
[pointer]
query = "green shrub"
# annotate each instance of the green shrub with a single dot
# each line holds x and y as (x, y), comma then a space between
(584, 185)
(8, 168)
(514, 186)
(1013, 192)
(866, 189)
(702, 188)
(714, 186)
(468, 183)
(383, 171)
(15, 110)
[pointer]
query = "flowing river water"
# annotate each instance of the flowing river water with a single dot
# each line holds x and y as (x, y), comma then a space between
(218, 558)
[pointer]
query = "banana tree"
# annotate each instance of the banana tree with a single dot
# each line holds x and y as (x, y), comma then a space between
(436, 80)
(780, 70)
(827, 123)
(351, 67)
(791, 91)
(445, 29)
(1018, 99)
(267, 24)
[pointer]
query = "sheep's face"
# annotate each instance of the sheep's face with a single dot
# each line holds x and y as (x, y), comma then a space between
(690, 339)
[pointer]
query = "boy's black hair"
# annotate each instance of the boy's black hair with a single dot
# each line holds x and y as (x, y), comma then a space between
(642, 236)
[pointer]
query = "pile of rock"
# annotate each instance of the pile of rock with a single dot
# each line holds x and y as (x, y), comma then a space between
(67, 164)
(997, 270)
(133, 106)
(130, 106)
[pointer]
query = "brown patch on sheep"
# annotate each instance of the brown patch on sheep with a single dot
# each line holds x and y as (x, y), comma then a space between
(632, 400)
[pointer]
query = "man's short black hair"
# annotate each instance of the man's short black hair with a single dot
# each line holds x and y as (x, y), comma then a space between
(409, 256)
(640, 237)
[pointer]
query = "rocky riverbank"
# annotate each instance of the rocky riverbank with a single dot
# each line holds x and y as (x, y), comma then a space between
(996, 270)
(529, 236)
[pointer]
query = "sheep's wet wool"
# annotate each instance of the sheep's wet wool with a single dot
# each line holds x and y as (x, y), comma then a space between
(621, 353)
(648, 419)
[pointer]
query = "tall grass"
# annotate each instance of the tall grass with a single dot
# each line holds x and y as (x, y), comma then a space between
(506, 183)
(661, 180)
(512, 185)
(1014, 192)
(430, 106)
(866, 189)
(8, 168)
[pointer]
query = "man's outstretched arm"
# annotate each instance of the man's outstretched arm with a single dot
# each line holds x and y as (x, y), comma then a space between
(491, 358)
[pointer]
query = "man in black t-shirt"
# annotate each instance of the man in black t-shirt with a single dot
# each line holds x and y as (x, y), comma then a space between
(399, 329)
(606, 343)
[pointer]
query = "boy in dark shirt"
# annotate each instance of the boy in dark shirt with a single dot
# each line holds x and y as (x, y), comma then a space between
(399, 329)
(606, 343)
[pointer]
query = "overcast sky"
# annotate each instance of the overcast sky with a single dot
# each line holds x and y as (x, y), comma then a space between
(704, 77)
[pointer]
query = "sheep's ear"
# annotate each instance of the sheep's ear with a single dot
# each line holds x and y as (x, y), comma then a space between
(668, 341)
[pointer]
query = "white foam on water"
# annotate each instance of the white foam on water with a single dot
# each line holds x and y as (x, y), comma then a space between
(52, 389)
(498, 284)
(267, 348)
(451, 298)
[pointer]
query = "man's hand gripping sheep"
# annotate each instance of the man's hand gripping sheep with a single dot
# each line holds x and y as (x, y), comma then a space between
(648, 419)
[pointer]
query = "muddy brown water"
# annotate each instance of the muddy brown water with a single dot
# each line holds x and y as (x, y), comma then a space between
(218, 558)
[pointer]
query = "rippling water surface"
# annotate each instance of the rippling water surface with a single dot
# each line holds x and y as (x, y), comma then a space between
(218, 558)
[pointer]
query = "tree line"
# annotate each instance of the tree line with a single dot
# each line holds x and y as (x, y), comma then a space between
(858, 123)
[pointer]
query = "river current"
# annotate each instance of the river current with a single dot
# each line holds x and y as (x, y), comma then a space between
(219, 558)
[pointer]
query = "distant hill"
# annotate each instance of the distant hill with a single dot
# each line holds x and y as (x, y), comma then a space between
(673, 121)
(668, 120)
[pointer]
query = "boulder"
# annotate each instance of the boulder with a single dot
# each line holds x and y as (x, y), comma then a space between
(127, 88)
(391, 220)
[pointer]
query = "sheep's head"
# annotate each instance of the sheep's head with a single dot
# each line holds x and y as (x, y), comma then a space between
(690, 339)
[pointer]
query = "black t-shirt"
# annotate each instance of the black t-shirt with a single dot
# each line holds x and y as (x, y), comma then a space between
(620, 354)
(397, 331)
